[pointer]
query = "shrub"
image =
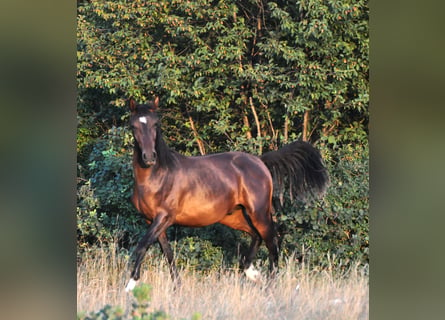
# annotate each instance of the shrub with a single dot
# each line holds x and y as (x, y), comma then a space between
(104, 208)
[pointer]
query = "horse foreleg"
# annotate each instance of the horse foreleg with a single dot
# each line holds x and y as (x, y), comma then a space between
(159, 225)
(168, 253)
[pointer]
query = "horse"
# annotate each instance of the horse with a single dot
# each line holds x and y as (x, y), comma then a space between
(231, 188)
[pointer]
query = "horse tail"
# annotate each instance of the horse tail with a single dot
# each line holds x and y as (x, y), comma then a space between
(298, 170)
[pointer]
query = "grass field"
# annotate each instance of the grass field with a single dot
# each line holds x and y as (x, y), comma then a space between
(298, 292)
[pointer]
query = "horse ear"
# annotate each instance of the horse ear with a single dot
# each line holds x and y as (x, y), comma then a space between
(132, 104)
(156, 103)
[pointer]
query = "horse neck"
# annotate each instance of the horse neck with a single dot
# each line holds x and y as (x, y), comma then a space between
(166, 158)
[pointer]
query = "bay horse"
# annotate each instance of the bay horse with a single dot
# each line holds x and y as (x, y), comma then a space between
(231, 188)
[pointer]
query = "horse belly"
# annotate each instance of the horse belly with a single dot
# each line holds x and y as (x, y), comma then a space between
(199, 214)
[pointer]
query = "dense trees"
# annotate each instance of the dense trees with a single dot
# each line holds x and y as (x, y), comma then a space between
(231, 75)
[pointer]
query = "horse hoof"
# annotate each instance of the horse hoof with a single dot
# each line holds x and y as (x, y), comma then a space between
(130, 286)
(252, 274)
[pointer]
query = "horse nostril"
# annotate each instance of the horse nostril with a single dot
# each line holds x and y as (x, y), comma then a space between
(147, 159)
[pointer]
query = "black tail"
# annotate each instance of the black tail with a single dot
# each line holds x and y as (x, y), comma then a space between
(297, 169)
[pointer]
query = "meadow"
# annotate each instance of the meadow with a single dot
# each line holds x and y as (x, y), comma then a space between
(299, 290)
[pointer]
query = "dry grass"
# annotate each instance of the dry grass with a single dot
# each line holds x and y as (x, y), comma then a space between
(296, 293)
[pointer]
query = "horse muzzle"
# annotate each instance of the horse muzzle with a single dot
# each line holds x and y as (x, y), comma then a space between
(149, 160)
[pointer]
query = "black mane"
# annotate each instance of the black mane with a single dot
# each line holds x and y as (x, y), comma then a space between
(167, 158)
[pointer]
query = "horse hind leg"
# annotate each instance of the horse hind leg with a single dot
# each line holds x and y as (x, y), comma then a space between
(240, 220)
(168, 253)
(266, 230)
(271, 240)
(257, 237)
(247, 259)
(247, 265)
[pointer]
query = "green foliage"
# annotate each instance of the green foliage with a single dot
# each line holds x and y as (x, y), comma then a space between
(198, 254)
(139, 311)
(104, 209)
(220, 64)
(207, 248)
(232, 75)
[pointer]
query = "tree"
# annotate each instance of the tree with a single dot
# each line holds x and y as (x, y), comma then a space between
(267, 69)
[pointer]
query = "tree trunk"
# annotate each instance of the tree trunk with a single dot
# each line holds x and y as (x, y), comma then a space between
(247, 125)
(257, 121)
(306, 126)
(286, 129)
(196, 135)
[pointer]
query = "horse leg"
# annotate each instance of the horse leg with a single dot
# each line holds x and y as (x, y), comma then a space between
(239, 220)
(247, 265)
(270, 237)
(168, 253)
(159, 225)
(266, 229)
(246, 261)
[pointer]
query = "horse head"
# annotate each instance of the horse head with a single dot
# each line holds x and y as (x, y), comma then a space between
(144, 123)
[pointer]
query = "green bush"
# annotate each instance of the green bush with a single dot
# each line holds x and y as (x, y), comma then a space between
(104, 210)
(207, 248)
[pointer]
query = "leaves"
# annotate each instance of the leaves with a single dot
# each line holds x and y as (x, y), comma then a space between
(205, 57)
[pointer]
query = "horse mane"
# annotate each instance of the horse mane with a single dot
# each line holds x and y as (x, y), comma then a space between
(167, 158)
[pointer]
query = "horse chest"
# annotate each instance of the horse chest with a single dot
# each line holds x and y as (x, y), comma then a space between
(144, 201)
(152, 199)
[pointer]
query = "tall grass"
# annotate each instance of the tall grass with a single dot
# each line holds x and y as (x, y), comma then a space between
(297, 292)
